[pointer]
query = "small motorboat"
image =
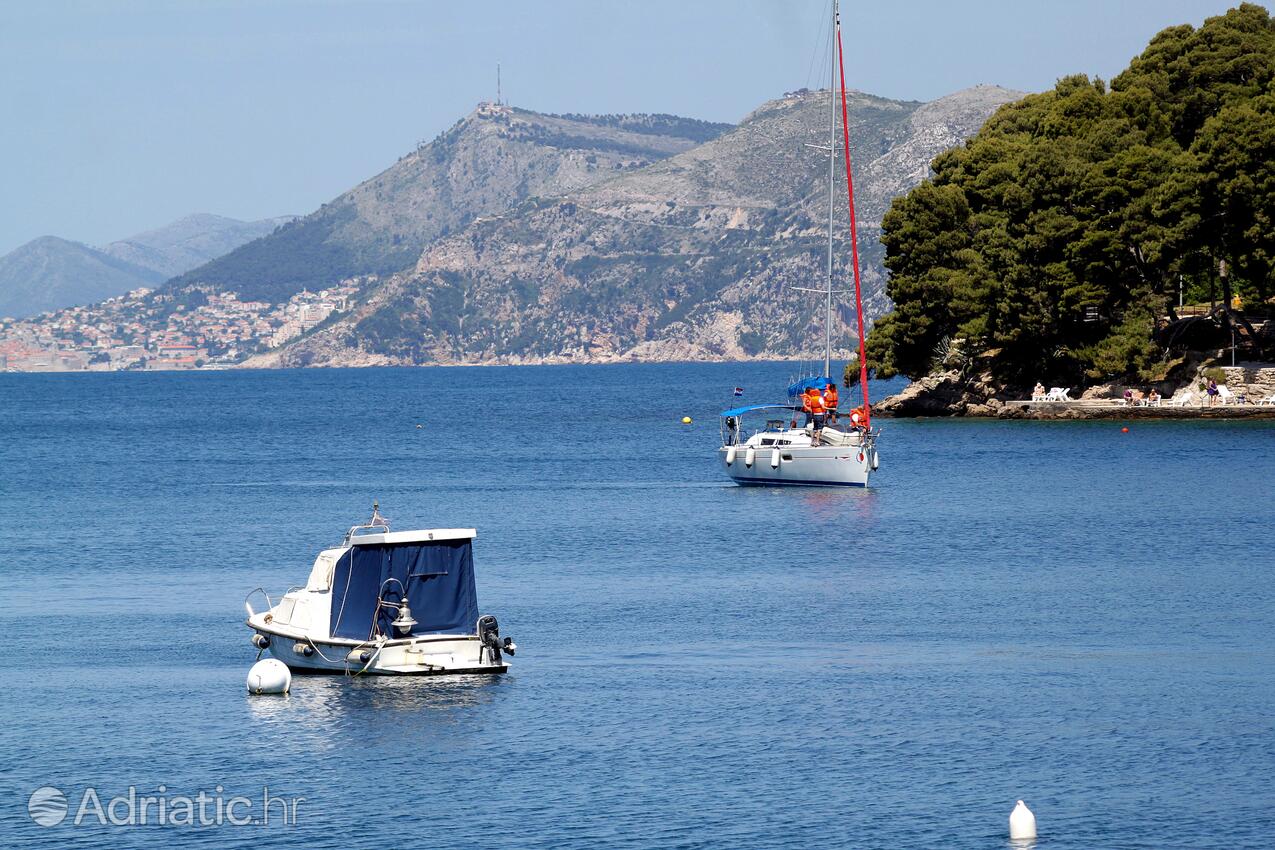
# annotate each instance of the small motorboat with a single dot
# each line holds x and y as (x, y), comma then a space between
(384, 602)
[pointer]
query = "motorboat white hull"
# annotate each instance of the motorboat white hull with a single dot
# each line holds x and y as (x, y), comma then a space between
(421, 655)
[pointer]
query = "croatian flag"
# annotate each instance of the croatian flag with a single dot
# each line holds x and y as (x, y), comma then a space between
(739, 391)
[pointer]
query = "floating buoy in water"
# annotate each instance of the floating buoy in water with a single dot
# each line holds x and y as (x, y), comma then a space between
(1124, 430)
(686, 420)
(269, 676)
(1022, 823)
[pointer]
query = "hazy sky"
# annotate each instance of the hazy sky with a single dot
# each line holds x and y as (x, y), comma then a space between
(120, 116)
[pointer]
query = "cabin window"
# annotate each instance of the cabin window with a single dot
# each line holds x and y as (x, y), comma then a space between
(283, 612)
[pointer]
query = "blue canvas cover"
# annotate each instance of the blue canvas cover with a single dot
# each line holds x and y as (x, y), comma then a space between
(800, 387)
(438, 575)
(751, 408)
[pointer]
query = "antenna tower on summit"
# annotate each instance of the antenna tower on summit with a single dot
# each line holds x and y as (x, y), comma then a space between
(499, 102)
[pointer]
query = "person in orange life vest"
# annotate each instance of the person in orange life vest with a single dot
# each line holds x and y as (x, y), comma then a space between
(819, 414)
(805, 405)
(857, 418)
(830, 401)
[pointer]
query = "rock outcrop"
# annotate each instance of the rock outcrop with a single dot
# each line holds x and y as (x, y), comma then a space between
(944, 394)
(952, 393)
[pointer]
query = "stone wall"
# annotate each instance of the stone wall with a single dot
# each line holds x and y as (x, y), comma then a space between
(1257, 380)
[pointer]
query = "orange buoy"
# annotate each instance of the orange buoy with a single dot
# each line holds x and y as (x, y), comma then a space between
(1124, 430)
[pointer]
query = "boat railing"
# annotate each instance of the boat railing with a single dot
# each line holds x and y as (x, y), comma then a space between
(376, 525)
(247, 601)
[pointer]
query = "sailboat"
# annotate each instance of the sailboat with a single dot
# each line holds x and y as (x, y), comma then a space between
(777, 452)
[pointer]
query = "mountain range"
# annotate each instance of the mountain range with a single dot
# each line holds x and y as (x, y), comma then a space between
(691, 255)
(50, 273)
(522, 237)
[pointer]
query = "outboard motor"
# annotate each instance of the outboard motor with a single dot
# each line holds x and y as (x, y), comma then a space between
(489, 637)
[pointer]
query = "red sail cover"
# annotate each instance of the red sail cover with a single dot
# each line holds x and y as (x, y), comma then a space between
(854, 233)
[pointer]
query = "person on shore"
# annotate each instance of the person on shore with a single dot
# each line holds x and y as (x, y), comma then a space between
(1212, 391)
(1038, 392)
(1128, 397)
(1153, 398)
(830, 401)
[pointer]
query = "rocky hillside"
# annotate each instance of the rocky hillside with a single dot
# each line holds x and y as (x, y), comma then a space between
(691, 257)
(490, 161)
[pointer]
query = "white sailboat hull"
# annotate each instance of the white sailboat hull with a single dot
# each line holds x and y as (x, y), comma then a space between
(811, 466)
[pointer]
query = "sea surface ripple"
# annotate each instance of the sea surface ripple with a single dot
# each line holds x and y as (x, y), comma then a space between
(1058, 612)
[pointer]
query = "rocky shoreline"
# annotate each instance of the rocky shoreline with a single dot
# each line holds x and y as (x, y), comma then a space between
(951, 394)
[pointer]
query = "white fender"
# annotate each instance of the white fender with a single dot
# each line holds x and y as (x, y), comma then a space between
(730, 454)
(774, 458)
(876, 460)
(750, 455)
(269, 676)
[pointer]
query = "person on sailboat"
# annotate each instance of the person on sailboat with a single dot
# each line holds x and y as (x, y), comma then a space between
(857, 418)
(805, 407)
(830, 401)
(819, 414)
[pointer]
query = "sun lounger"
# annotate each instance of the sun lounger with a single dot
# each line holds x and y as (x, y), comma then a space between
(1270, 399)
(1228, 397)
(1183, 400)
(1058, 394)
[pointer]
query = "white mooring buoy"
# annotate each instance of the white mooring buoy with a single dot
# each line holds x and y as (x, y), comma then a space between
(269, 676)
(1022, 823)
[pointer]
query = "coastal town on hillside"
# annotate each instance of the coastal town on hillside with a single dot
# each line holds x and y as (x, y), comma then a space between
(148, 330)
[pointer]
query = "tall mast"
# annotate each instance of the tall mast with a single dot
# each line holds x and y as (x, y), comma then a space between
(854, 234)
(832, 165)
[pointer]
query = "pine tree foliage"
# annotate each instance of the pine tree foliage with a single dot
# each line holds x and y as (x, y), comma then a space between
(1050, 243)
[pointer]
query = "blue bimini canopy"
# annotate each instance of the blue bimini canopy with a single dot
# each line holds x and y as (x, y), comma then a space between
(438, 575)
(801, 386)
(740, 411)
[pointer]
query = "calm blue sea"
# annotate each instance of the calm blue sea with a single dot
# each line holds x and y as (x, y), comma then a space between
(1058, 612)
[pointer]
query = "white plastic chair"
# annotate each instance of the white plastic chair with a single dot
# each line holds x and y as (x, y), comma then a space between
(1224, 393)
